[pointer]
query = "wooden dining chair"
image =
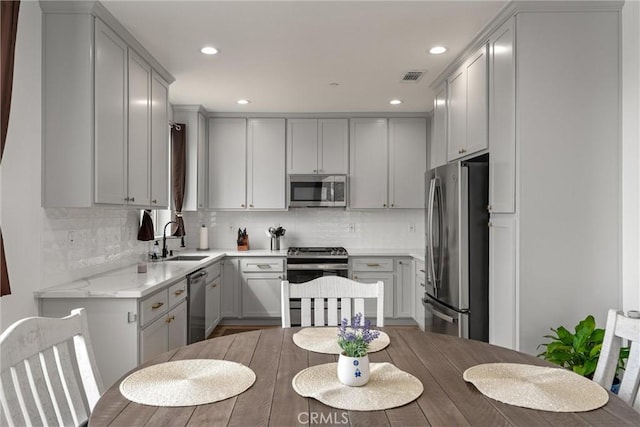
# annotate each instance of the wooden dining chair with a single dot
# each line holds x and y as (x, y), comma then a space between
(48, 372)
(620, 327)
(331, 288)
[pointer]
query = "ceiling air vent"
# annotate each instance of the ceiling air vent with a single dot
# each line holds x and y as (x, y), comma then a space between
(412, 76)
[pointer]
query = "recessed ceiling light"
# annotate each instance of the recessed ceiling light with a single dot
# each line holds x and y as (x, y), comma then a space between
(209, 50)
(243, 101)
(437, 50)
(395, 102)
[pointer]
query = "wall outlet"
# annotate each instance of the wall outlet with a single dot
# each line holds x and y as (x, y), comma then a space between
(352, 228)
(412, 228)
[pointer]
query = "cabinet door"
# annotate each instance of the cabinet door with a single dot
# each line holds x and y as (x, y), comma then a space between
(139, 144)
(438, 143)
(231, 289)
(502, 281)
(261, 294)
(154, 339)
(477, 103)
(302, 146)
(159, 142)
(404, 293)
(502, 121)
(368, 164)
(177, 326)
(457, 114)
(419, 288)
(370, 305)
(333, 146)
(227, 163)
(407, 162)
(212, 305)
(110, 116)
(265, 164)
(202, 161)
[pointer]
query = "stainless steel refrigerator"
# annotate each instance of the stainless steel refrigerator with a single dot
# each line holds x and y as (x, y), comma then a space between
(457, 249)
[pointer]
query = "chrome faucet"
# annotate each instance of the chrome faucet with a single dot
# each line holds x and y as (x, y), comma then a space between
(164, 238)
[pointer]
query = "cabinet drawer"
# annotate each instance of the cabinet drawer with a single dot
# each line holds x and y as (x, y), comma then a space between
(153, 306)
(264, 265)
(372, 264)
(177, 292)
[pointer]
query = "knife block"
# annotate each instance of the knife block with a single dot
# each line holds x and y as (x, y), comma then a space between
(243, 245)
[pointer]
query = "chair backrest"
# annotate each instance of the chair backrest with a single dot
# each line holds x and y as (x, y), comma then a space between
(331, 288)
(620, 327)
(48, 372)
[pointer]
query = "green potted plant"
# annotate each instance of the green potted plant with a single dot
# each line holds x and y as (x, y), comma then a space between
(579, 351)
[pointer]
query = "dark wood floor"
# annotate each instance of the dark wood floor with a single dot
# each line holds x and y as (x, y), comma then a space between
(222, 330)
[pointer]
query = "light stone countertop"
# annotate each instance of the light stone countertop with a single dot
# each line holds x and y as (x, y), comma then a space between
(128, 283)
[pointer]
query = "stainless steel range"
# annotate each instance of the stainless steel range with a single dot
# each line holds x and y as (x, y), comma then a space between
(304, 264)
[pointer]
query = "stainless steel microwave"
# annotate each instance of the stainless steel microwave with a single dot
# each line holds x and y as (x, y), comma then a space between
(309, 191)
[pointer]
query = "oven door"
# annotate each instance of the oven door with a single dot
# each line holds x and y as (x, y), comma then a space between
(300, 273)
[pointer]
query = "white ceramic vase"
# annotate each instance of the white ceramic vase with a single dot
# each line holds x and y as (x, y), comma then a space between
(353, 371)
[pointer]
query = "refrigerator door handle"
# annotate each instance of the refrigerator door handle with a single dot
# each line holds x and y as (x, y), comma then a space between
(430, 259)
(438, 193)
(438, 313)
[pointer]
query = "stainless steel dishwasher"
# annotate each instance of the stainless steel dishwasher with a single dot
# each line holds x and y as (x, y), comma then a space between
(196, 309)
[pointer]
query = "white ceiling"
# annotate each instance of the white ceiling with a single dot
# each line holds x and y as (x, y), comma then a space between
(284, 55)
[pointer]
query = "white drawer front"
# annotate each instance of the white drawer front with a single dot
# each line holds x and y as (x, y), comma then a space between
(153, 306)
(263, 265)
(177, 292)
(372, 264)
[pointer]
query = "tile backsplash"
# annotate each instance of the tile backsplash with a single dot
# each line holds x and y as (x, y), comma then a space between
(81, 242)
(391, 229)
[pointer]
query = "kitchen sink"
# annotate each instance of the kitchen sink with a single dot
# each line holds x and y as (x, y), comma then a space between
(187, 258)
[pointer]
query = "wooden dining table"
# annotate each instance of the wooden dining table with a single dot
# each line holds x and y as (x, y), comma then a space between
(438, 361)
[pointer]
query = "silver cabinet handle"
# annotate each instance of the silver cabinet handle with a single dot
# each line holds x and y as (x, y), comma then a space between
(154, 201)
(373, 264)
(264, 266)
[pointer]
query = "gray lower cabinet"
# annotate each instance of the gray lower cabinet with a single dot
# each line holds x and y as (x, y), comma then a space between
(419, 287)
(261, 278)
(231, 288)
(397, 276)
(126, 332)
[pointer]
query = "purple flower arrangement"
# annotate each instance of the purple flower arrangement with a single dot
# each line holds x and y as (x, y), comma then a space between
(354, 338)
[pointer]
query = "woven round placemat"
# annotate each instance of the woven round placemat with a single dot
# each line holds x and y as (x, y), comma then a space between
(388, 387)
(536, 387)
(187, 382)
(325, 340)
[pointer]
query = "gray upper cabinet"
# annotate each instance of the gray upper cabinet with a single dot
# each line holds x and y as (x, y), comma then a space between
(438, 143)
(195, 192)
(468, 107)
(110, 118)
(105, 101)
(317, 146)
(502, 120)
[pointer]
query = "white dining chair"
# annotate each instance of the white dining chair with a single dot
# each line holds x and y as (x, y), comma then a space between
(331, 288)
(48, 372)
(620, 327)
